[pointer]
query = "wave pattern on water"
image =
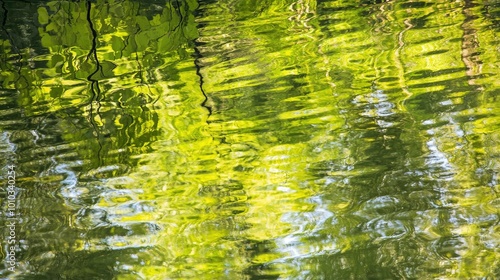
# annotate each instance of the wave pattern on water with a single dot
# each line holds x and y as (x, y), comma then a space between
(347, 139)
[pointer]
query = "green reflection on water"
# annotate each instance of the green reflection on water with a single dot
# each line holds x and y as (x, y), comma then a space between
(253, 139)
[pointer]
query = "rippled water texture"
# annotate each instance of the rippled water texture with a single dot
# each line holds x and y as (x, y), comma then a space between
(251, 139)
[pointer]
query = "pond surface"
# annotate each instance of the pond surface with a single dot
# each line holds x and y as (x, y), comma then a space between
(250, 139)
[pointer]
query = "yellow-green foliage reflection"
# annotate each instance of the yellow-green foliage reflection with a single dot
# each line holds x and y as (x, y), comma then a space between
(258, 139)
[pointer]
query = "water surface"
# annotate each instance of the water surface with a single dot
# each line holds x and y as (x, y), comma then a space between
(251, 139)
